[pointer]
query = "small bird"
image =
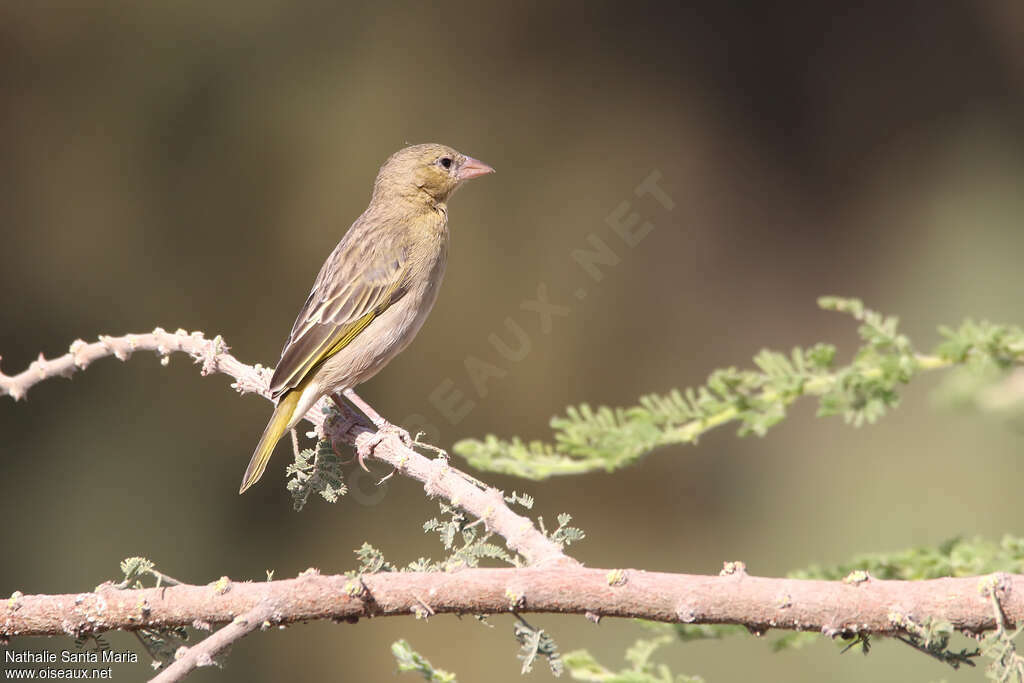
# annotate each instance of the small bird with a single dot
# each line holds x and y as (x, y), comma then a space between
(374, 291)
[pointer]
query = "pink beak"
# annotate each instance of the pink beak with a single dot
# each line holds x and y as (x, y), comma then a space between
(473, 168)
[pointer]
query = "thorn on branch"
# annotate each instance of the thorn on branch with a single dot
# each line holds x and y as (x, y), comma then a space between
(686, 614)
(77, 351)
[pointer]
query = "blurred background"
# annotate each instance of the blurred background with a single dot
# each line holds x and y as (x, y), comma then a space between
(190, 164)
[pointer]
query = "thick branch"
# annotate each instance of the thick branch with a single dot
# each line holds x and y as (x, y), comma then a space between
(863, 605)
(437, 476)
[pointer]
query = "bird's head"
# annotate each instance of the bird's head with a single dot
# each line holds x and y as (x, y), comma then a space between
(427, 172)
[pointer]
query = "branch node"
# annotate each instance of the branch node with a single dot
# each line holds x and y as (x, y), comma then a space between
(39, 366)
(210, 359)
(516, 599)
(686, 614)
(617, 577)
(421, 609)
(205, 659)
(221, 585)
(857, 577)
(737, 569)
(991, 584)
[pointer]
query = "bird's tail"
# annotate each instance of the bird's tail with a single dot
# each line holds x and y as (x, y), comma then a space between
(276, 428)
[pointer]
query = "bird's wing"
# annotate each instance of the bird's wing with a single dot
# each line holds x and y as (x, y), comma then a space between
(361, 278)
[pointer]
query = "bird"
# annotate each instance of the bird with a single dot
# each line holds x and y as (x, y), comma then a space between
(374, 291)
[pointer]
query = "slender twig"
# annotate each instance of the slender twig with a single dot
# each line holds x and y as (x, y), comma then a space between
(188, 659)
(437, 476)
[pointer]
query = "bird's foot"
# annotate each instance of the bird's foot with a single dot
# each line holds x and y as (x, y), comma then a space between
(384, 430)
(402, 434)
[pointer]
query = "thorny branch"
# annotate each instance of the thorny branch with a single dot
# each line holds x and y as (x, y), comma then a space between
(835, 608)
(437, 476)
(203, 654)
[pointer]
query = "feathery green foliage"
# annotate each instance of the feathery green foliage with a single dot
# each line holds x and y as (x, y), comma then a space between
(564, 535)
(955, 557)
(536, 642)
(588, 439)
(371, 560)
(160, 643)
(475, 545)
(467, 544)
(101, 643)
(410, 660)
(932, 637)
(1006, 664)
(583, 666)
(316, 470)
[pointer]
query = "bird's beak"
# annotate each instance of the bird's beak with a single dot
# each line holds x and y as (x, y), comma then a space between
(473, 168)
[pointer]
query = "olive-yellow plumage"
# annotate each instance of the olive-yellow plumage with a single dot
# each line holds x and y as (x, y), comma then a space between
(374, 291)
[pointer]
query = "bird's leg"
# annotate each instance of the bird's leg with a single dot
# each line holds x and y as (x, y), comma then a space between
(382, 425)
(378, 421)
(340, 405)
(366, 409)
(350, 419)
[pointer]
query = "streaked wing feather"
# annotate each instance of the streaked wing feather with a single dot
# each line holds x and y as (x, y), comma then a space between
(360, 279)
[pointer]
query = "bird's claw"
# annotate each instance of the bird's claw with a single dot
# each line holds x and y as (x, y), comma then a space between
(402, 434)
(383, 431)
(361, 456)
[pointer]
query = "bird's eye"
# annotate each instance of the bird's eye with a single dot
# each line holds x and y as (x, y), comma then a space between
(445, 161)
